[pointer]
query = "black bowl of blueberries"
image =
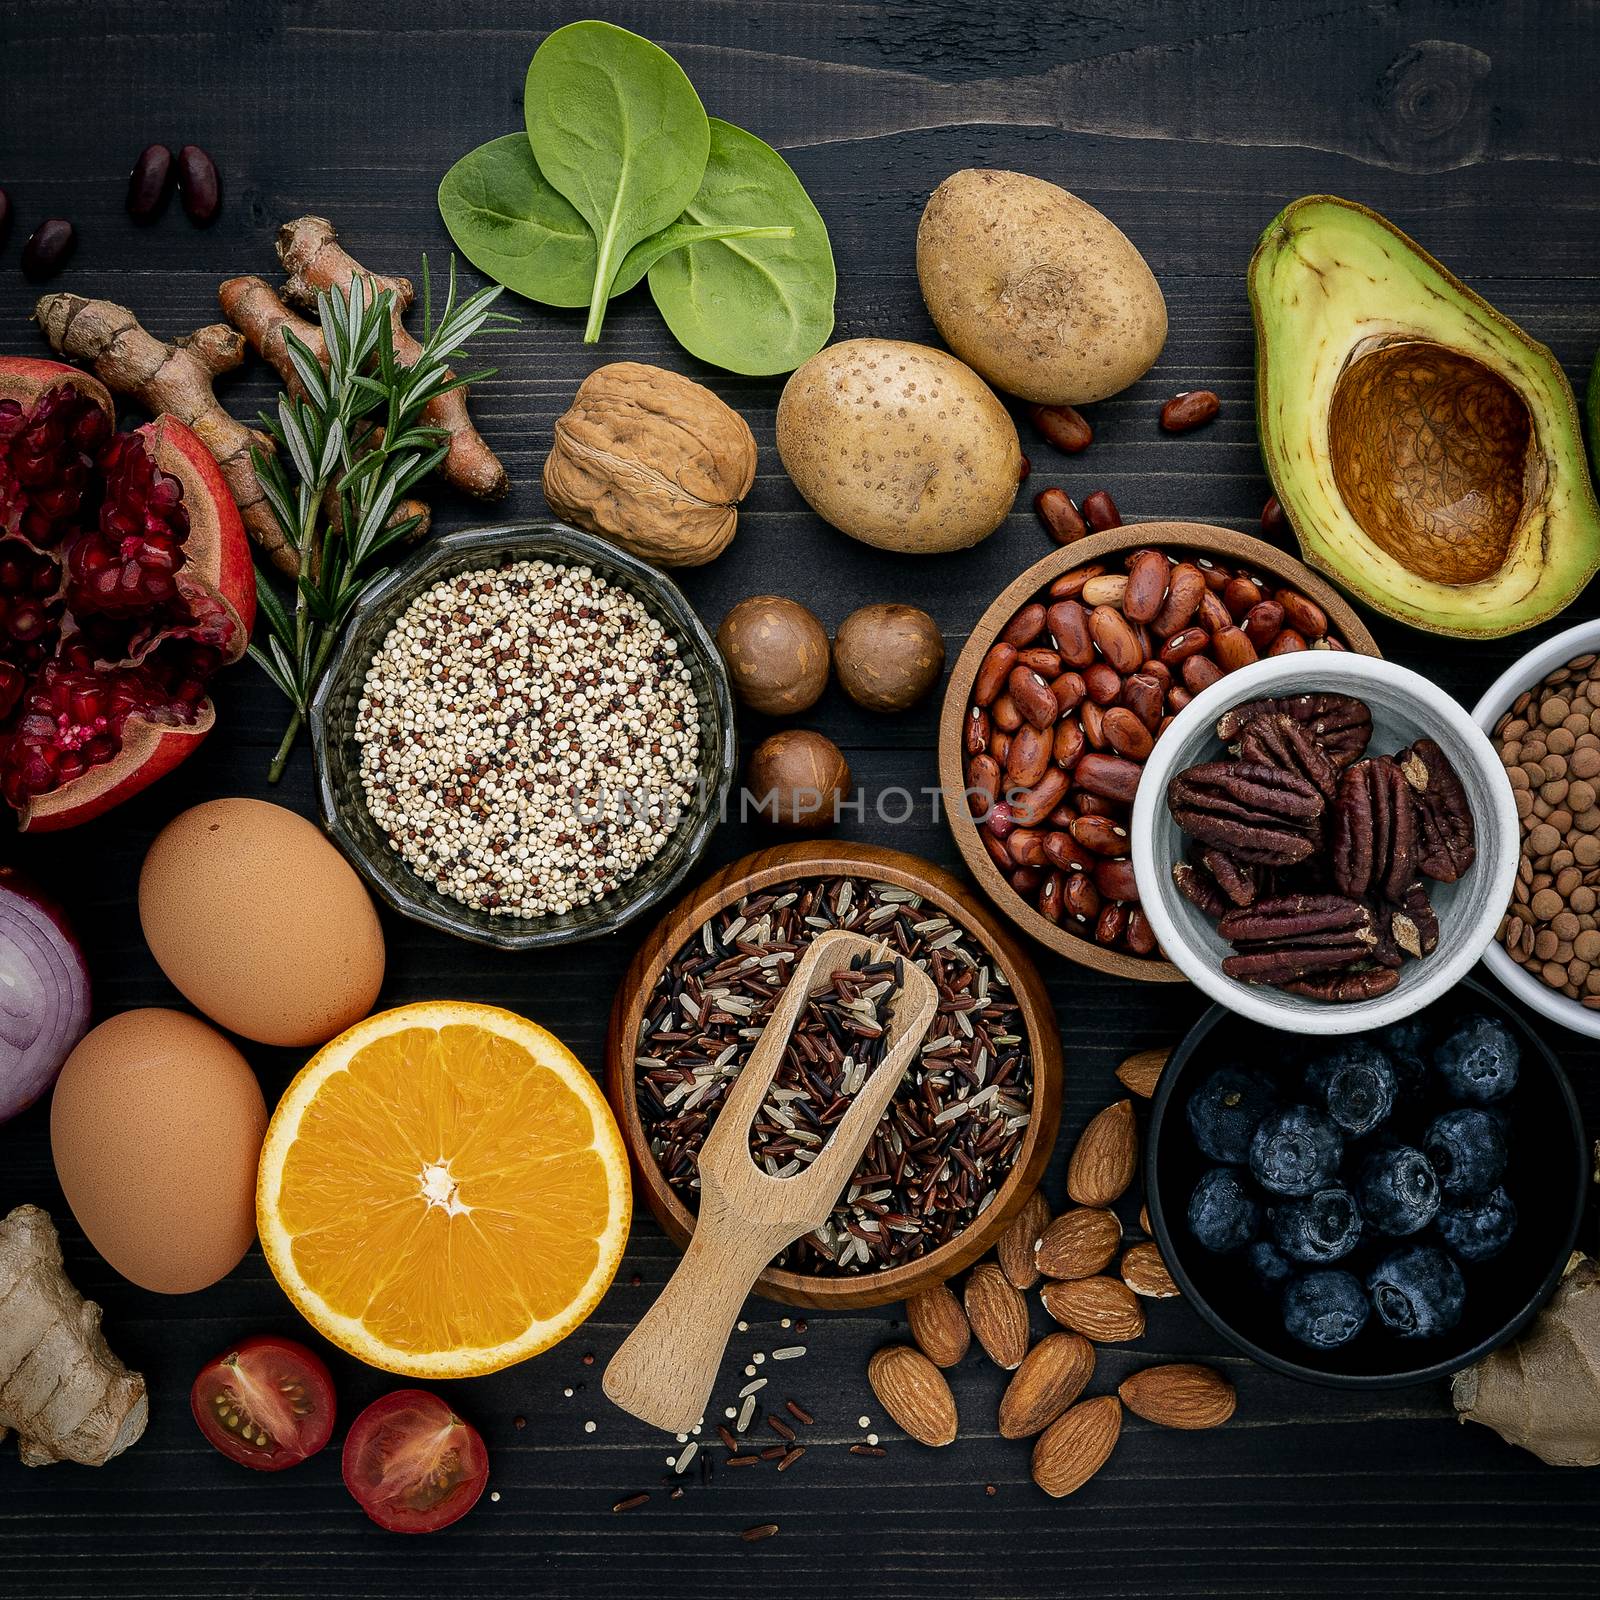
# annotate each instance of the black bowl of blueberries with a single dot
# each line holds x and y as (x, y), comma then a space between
(1368, 1211)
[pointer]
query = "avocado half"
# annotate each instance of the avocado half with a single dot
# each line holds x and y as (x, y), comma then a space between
(1428, 453)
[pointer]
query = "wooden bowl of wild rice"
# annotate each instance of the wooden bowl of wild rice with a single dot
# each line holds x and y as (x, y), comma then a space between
(970, 1130)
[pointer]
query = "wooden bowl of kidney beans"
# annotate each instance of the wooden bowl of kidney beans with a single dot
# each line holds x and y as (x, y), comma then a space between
(1062, 690)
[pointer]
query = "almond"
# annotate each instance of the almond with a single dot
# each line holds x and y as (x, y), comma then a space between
(1179, 1396)
(1139, 1073)
(1015, 1250)
(939, 1325)
(1144, 1220)
(913, 1391)
(1078, 1244)
(1076, 1445)
(1106, 1156)
(1146, 1273)
(1052, 1375)
(998, 1314)
(1103, 1309)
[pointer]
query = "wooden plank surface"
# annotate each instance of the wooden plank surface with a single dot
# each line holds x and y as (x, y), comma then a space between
(1476, 126)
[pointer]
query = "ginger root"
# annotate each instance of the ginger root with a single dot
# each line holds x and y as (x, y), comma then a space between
(314, 259)
(175, 378)
(64, 1393)
(1543, 1390)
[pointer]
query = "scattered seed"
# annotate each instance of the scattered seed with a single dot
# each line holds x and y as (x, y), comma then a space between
(588, 1427)
(726, 1436)
(746, 1412)
(792, 1457)
(764, 1530)
(799, 1413)
(685, 1458)
(863, 1422)
(633, 1501)
(789, 1352)
(774, 1451)
(867, 1450)
(780, 1427)
(753, 1387)
(741, 1461)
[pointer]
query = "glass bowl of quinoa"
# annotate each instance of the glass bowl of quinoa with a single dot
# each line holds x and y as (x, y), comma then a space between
(525, 737)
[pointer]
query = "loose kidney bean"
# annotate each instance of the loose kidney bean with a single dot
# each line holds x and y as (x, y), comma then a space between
(1187, 642)
(148, 182)
(1094, 805)
(1240, 594)
(1050, 898)
(1177, 698)
(199, 184)
(1063, 851)
(1216, 577)
(1032, 807)
(1273, 521)
(1111, 924)
(1068, 742)
(1024, 628)
(1262, 623)
(997, 851)
(1111, 777)
(1199, 673)
(1069, 690)
(1068, 625)
(1033, 697)
(1030, 756)
(1115, 639)
(1062, 520)
(1115, 880)
(1082, 898)
(1305, 616)
(1024, 468)
(1140, 936)
(47, 248)
(1233, 649)
(1006, 713)
(1026, 846)
(1103, 682)
(993, 671)
(983, 784)
(1287, 643)
(1100, 511)
(1142, 695)
(1027, 880)
(1000, 745)
(1093, 717)
(1159, 671)
(1070, 584)
(1064, 427)
(1147, 586)
(1213, 612)
(1189, 409)
(975, 734)
(1126, 733)
(1101, 835)
(1184, 589)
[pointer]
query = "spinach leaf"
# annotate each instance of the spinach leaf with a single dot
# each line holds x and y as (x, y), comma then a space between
(616, 128)
(513, 227)
(757, 305)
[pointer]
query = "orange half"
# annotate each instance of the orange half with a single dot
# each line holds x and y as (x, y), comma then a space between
(444, 1191)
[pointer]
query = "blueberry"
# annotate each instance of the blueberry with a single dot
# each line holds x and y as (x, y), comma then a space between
(1479, 1228)
(1321, 1227)
(1226, 1109)
(1325, 1309)
(1479, 1059)
(1272, 1267)
(1418, 1292)
(1357, 1085)
(1397, 1189)
(1223, 1214)
(1467, 1149)
(1296, 1151)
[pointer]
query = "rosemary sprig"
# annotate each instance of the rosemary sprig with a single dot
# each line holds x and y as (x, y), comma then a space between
(349, 448)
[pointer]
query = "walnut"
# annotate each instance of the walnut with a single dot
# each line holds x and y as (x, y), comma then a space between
(652, 461)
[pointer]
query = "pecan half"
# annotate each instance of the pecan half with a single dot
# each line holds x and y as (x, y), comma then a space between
(1447, 836)
(1341, 725)
(1236, 879)
(1255, 813)
(1291, 936)
(1413, 926)
(1199, 888)
(1374, 832)
(1340, 987)
(1276, 740)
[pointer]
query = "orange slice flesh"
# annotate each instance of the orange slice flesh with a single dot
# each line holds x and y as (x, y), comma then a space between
(444, 1191)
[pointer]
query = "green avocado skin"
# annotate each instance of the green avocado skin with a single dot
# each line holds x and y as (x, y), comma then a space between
(1592, 406)
(1330, 282)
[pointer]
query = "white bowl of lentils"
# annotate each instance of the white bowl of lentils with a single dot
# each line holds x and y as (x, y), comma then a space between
(525, 738)
(1543, 717)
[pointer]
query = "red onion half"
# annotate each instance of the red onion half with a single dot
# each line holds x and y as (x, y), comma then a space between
(44, 993)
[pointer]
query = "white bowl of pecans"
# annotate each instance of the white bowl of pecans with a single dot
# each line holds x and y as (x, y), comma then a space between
(1324, 843)
(1543, 717)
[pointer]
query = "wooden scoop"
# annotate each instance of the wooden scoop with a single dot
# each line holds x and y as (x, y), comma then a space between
(665, 1369)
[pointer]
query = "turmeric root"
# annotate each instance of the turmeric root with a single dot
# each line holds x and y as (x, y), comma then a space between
(175, 378)
(315, 261)
(61, 1389)
(255, 308)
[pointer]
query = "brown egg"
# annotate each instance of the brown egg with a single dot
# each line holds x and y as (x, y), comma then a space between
(777, 654)
(261, 923)
(156, 1128)
(798, 779)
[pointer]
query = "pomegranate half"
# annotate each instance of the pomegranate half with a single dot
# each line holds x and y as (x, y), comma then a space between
(125, 584)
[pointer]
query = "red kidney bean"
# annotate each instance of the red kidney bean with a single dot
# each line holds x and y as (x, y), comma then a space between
(983, 784)
(1094, 805)
(1000, 821)
(1286, 643)
(1100, 511)
(1111, 924)
(1046, 662)
(5, 217)
(1069, 690)
(1216, 577)
(1199, 673)
(1159, 671)
(1182, 645)
(1064, 427)
(1304, 616)
(1030, 756)
(1025, 627)
(149, 183)
(1024, 468)
(199, 184)
(997, 851)
(1240, 594)
(1142, 695)
(975, 733)
(1093, 717)
(1273, 521)
(1115, 880)
(1147, 586)
(1189, 410)
(1101, 835)
(1000, 745)
(1110, 631)
(1062, 520)
(1027, 880)
(1185, 586)
(1070, 584)
(993, 671)
(1140, 936)
(1007, 714)
(1050, 899)
(1062, 816)
(1110, 777)
(1126, 733)
(1103, 683)
(1063, 851)
(1026, 846)
(1032, 696)
(1032, 807)
(1082, 898)
(1177, 698)
(1233, 649)
(1213, 612)
(1068, 624)
(1262, 623)
(1068, 745)
(47, 249)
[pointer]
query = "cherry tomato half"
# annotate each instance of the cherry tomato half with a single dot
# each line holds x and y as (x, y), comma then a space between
(265, 1402)
(413, 1465)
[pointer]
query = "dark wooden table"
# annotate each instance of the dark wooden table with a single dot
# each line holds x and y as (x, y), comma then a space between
(1474, 125)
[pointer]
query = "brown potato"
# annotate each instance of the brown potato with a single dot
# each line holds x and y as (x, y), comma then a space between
(777, 654)
(1035, 289)
(798, 778)
(888, 656)
(899, 445)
